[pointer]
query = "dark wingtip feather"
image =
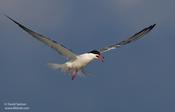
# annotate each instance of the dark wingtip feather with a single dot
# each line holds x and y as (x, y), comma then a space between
(20, 25)
(152, 26)
(10, 18)
(149, 28)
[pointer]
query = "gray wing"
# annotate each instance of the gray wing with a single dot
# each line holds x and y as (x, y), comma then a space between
(128, 40)
(51, 43)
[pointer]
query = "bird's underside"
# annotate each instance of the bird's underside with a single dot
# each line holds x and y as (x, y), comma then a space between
(76, 63)
(75, 66)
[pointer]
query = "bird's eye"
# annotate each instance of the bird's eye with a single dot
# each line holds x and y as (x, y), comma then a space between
(97, 56)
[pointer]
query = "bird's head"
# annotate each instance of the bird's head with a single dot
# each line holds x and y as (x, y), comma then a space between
(98, 55)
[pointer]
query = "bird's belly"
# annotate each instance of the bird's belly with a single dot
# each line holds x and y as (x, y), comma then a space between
(78, 64)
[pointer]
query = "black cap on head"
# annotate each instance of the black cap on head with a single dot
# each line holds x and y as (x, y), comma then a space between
(94, 52)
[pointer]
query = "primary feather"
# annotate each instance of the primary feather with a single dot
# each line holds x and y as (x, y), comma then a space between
(133, 38)
(51, 43)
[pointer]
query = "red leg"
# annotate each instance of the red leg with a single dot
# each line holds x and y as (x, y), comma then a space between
(74, 74)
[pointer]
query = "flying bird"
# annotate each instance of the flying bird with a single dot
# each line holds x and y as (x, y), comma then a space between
(76, 63)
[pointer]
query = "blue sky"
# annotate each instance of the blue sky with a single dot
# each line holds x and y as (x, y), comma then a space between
(135, 78)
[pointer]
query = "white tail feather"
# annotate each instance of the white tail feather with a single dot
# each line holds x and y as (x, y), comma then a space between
(56, 66)
(64, 68)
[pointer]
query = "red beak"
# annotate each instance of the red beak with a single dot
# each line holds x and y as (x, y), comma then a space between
(101, 58)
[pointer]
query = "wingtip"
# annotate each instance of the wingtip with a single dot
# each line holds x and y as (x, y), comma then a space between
(9, 18)
(14, 21)
(152, 26)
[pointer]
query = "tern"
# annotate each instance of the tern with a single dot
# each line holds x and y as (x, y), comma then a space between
(76, 63)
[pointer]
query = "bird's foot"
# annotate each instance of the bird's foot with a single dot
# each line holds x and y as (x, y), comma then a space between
(73, 77)
(74, 74)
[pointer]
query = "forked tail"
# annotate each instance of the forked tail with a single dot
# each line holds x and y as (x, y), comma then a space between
(57, 66)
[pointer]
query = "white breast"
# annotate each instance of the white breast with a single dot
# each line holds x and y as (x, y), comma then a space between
(81, 61)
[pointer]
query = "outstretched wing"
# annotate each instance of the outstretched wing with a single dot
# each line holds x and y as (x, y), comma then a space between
(51, 43)
(128, 40)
